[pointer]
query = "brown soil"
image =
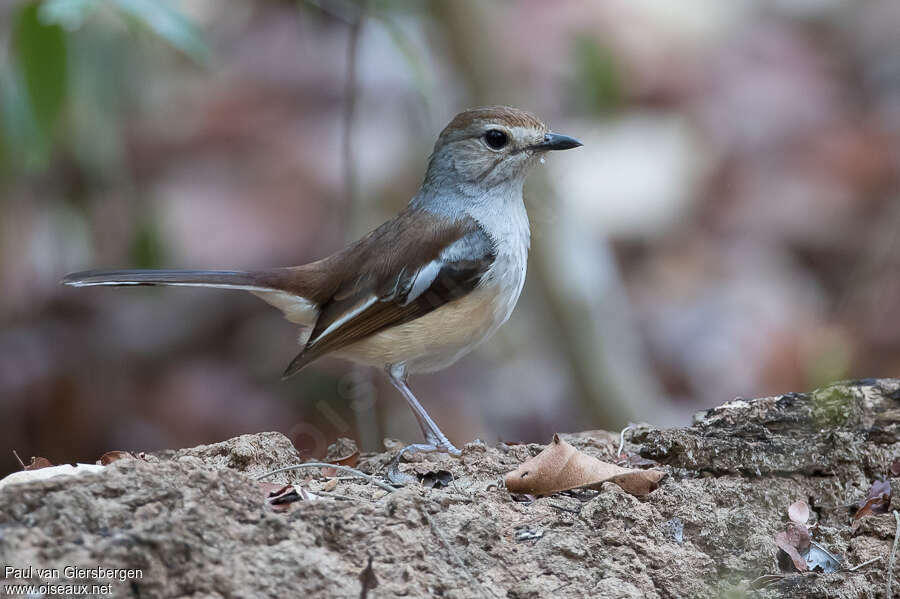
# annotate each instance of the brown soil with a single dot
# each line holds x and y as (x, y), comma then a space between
(197, 524)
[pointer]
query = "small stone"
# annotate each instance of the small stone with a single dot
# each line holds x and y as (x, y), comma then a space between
(673, 529)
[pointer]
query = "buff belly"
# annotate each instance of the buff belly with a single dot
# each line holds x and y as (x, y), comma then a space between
(439, 338)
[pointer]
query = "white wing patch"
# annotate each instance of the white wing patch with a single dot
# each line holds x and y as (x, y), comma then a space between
(350, 314)
(461, 249)
(424, 278)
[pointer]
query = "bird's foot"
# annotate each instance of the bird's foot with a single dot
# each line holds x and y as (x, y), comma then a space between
(400, 479)
(435, 440)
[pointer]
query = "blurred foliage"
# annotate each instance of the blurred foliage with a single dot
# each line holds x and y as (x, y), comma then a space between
(147, 247)
(599, 80)
(156, 16)
(38, 92)
(39, 50)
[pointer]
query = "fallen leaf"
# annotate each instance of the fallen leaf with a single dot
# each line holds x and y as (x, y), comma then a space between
(511, 443)
(37, 463)
(304, 495)
(819, 558)
(330, 485)
(798, 536)
(560, 467)
(877, 501)
(784, 544)
(799, 512)
(870, 508)
(880, 488)
(436, 479)
(114, 456)
(794, 541)
(279, 496)
(342, 452)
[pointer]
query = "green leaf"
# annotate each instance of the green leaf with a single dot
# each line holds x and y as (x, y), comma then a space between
(169, 24)
(39, 53)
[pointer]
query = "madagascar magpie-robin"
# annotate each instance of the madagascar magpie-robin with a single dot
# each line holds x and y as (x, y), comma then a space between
(427, 286)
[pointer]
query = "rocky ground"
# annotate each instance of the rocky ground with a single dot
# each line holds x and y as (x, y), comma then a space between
(196, 523)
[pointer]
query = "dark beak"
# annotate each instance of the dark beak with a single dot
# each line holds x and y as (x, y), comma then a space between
(555, 141)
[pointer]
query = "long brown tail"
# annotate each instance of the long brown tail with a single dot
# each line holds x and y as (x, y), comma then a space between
(280, 287)
(225, 279)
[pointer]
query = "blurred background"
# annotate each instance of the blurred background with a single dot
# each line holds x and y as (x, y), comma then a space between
(730, 227)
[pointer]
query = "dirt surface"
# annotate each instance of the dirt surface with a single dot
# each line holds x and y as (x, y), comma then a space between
(195, 523)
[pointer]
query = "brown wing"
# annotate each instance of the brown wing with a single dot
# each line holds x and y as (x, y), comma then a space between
(400, 278)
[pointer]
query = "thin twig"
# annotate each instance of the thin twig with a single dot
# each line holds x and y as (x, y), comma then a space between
(890, 580)
(865, 563)
(18, 459)
(461, 564)
(347, 469)
(328, 495)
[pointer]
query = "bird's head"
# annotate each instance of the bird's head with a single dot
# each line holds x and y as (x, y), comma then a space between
(489, 146)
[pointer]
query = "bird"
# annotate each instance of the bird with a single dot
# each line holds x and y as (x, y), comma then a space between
(424, 288)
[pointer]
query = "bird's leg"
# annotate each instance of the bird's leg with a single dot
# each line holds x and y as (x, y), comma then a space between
(435, 439)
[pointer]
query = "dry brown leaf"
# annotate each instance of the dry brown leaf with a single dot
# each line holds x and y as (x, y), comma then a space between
(330, 485)
(875, 505)
(783, 543)
(113, 456)
(279, 497)
(342, 452)
(877, 501)
(561, 467)
(37, 463)
(341, 448)
(794, 540)
(436, 479)
(798, 536)
(798, 512)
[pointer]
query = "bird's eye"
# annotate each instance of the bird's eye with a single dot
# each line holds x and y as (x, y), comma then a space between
(495, 138)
